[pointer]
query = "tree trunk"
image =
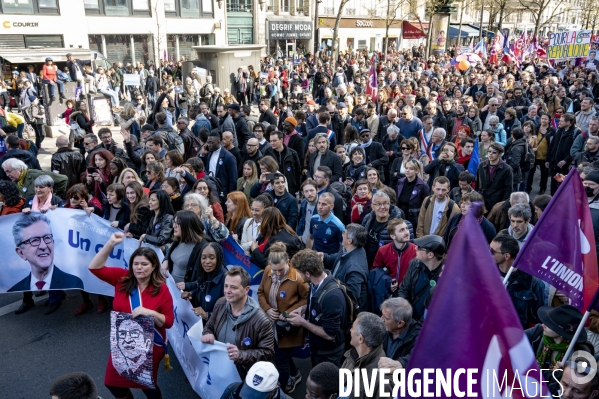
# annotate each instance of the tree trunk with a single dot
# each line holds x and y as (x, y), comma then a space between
(387, 24)
(430, 33)
(537, 23)
(501, 11)
(335, 49)
(461, 17)
(482, 17)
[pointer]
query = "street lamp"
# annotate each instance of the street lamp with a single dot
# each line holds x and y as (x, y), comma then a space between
(261, 5)
(220, 4)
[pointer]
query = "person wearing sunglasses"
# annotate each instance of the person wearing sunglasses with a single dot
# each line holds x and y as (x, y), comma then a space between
(494, 177)
(34, 244)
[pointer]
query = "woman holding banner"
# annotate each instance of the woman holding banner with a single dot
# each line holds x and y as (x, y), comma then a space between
(142, 284)
(209, 286)
(282, 290)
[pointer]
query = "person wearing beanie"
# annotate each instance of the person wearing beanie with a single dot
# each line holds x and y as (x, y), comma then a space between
(292, 137)
(591, 187)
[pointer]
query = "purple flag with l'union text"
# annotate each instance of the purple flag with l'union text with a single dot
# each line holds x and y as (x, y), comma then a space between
(561, 248)
(472, 324)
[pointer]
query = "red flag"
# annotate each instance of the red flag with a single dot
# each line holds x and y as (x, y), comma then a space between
(488, 337)
(561, 248)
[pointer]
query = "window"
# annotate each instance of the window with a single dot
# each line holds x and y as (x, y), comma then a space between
(188, 8)
(271, 6)
(239, 6)
(29, 7)
(285, 5)
(118, 8)
(44, 41)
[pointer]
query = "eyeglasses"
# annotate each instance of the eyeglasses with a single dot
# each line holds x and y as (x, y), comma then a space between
(88, 143)
(493, 152)
(36, 241)
(404, 148)
(404, 114)
(493, 252)
(381, 204)
(139, 99)
(134, 334)
(191, 205)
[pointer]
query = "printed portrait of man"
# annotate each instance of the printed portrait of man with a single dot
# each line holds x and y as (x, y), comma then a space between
(35, 244)
(131, 348)
(592, 62)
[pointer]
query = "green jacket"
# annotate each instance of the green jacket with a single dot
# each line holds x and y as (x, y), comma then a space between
(60, 183)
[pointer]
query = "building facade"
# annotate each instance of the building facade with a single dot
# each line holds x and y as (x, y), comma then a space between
(127, 31)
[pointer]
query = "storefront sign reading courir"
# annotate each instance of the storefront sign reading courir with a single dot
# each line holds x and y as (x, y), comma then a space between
(571, 44)
(284, 30)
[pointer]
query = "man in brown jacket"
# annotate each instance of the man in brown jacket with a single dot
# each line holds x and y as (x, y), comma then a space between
(238, 319)
(367, 335)
(436, 210)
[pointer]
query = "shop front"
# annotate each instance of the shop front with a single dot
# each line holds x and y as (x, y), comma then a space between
(289, 39)
(358, 34)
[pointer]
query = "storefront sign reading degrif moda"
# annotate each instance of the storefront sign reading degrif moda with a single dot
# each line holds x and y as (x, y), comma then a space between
(285, 30)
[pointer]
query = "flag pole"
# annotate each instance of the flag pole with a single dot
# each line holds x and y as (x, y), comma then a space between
(581, 326)
(507, 276)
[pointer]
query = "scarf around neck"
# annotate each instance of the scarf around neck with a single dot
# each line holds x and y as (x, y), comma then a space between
(47, 204)
(546, 350)
(366, 145)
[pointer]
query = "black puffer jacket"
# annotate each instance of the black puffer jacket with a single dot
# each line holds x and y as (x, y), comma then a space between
(497, 189)
(408, 287)
(394, 213)
(292, 242)
(514, 154)
(70, 163)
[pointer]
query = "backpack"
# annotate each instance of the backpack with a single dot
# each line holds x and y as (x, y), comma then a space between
(174, 141)
(449, 207)
(379, 288)
(204, 90)
(3, 121)
(344, 191)
(216, 186)
(528, 160)
(351, 304)
(194, 146)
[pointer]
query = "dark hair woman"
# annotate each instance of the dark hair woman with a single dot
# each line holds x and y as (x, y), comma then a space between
(141, 283)
(101, 162)
(209, 287)
(117, 166)
(183, 257)
(204, 188)
(282, 289)
(155, 175)
(10, 197)
(171, 186)
(81, 116)
(140, 216)
(146, 158)
(273, 229)
(160, 230)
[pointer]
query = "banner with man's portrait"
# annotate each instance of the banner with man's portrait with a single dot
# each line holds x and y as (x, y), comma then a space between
(131, 347)
(52, 251)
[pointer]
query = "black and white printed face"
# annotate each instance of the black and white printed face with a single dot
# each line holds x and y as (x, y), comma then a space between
(132, 343)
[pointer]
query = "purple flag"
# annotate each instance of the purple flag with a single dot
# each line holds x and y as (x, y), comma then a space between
(471, 324)
(568, 259)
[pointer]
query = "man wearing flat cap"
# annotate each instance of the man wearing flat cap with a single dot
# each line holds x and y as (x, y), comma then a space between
(423, 273)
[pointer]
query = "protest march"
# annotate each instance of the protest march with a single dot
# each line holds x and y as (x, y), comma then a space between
(360, 225)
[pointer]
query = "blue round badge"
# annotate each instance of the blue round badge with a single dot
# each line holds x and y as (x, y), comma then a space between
(314, 312)
(282, 294)
(414, 192)
(157, 227)
(324, 241)
(208, 298)
(220, 161)
(247, 341)
(289, 169)
(381, 243)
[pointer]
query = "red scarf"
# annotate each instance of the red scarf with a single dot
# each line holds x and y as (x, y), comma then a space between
(355, 214)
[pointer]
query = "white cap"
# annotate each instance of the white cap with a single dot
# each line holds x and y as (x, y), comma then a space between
(260, 381)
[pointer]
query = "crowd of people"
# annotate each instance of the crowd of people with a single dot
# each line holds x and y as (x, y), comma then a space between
(348, 196)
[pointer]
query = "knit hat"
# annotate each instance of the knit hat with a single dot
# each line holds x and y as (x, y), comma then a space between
(310, 102)
(291, 119)
(593, 176)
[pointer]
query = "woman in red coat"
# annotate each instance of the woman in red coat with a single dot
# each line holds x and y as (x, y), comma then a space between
(144, 281)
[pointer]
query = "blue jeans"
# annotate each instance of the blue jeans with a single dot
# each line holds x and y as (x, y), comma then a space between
(51, 86)
(112, 94)
(20, 128)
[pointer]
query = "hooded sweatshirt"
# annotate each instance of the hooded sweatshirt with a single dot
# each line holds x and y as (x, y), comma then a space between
(227, 333)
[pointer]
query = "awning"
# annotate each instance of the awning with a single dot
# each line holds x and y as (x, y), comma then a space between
(34, 55)
(467, 30)
(411, 30)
